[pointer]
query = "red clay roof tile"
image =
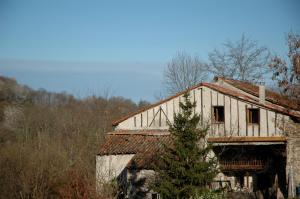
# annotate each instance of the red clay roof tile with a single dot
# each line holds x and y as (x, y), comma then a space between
(271, 96)
(144, 144)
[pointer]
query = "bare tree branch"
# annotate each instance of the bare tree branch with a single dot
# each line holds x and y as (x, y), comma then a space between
(182, 72)
(241, 60)
(287, 71)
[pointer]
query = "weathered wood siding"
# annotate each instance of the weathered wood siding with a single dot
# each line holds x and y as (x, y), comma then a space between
(235, 121)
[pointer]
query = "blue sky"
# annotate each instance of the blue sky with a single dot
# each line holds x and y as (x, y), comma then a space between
(85, 47)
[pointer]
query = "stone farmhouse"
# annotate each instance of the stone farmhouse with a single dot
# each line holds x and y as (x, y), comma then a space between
(248, 130)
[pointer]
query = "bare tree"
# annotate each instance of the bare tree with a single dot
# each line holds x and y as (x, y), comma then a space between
(182, 72)
(286, 72)
(48, 141)
(242, 60)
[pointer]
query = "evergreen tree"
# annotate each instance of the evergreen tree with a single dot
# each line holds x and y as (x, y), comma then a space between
(185, 168)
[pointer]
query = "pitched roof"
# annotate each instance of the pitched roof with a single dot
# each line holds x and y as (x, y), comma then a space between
(278, 100)
(252, 100)
(144, 144)
(253, 89)
(116, 122)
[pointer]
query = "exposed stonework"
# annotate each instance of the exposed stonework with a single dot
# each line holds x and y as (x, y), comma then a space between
(293, 156)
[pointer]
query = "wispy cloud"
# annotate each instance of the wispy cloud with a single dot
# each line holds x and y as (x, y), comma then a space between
(150, 68)
(135, 80)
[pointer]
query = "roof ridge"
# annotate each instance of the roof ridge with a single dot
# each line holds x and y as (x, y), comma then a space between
(271, 96)
(277, 106)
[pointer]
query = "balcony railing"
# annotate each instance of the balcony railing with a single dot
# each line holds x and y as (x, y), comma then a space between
(229, 165)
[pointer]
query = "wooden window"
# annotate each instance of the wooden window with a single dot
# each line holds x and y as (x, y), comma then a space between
(155, 196)
(218, 114)
(253, 115)
(295, 119)
(134, 120)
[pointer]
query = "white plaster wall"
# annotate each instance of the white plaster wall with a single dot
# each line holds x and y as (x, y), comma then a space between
(214, 98)
(127, 124)
(109, 167)
(234, 131)
(228, 110)
(242, 118)
(198, 101)
(206, 104)
(154, 121)
(170, 110)
(271, 116)
(263, 123)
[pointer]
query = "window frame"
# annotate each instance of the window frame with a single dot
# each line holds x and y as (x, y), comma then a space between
(155, 196)
(250, 116)
(216, 115)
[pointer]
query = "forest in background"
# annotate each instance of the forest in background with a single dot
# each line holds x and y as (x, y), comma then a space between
(48, 141)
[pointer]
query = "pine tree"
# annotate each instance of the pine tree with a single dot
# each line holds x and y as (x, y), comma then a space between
(185, 169)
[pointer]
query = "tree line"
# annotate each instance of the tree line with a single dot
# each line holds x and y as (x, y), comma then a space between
(48, 141)
(243, 59)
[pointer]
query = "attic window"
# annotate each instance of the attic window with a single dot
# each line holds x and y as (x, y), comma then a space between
(253, 116)
(134, 121)
(218, 114)
(295, 119)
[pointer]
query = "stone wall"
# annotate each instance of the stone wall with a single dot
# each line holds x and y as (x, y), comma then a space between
(135, 184)
(293, 157)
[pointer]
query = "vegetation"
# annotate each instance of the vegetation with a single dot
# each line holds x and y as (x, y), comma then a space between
(243, 59)
(48, 141)
(187, 168)
(182, 72)
(286, 72)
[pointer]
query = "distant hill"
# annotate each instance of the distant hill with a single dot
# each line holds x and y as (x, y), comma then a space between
(16, 98)
(11, 91)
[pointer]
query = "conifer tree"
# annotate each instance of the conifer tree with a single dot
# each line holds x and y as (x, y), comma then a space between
(185, 169)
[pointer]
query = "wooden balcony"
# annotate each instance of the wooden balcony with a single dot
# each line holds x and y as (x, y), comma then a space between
(236, 165)
(241, 139)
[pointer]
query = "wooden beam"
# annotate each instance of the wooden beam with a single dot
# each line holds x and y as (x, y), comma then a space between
(231, 165)
(247, 139)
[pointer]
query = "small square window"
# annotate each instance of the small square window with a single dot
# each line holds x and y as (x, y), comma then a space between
(218, 114)
(253, 116)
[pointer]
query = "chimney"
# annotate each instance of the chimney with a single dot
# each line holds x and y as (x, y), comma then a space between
(262, 94)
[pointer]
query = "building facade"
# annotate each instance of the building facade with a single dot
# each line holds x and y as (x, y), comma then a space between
(248, 129)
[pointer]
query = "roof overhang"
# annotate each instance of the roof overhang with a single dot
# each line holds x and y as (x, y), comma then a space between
(225, 91)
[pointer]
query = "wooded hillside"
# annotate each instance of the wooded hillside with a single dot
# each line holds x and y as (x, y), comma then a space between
(48, 141)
